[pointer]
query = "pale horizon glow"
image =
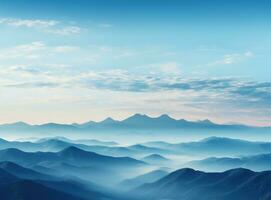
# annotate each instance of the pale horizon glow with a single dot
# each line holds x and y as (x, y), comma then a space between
(100, 118)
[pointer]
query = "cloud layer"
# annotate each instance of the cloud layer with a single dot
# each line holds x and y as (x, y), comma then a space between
(48, 26)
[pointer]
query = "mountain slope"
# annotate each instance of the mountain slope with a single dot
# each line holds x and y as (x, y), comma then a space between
(14, 188)
(23, 173)
(212, 146)
(188, 184)
(104, 170)
(6, 178)
(79, 141)
(28, 190)
(69, 155)
(73, 153)
(256, 162)
(20, 181)
(156, 159)
(142, 179)
(59, 143)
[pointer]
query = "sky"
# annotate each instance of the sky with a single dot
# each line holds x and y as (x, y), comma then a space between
(78, 60)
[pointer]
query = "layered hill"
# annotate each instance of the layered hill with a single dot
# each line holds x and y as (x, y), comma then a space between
(188, 184)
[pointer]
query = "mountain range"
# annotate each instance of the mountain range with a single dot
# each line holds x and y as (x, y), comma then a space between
(73, 161)
(137, 122)
(63, 168)
(258, 162)
(215, 146)
(17, 182)
(188, 184)
(210, 146)
(60, 143)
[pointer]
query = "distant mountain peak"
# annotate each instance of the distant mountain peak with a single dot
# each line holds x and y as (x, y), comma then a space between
(155, 156)
(183, 120)
(138, 115)
(144, 116)
(165, 117)
(72, 149)
(135, 122)
(137, 118)
(239, 171)
(108, 120)
(185, 172)
(20, 124)
(87, 124)
(211, 138)
(221, 139)
(205, 121)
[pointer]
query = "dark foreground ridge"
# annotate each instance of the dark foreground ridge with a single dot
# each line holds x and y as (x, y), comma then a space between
(189, 184)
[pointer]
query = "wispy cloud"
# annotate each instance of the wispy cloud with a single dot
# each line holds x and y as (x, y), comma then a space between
(48, 26)
(169, 92)
(36, 84)
(229, 59)
(33, 50)
(36, 23)
(28, 51)
(229, 89)
(232, 90)
(68, 30)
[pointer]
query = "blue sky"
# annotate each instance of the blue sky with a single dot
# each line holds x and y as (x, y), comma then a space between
(76, 60)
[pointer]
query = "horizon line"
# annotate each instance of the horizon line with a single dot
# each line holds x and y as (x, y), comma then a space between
(133, 115)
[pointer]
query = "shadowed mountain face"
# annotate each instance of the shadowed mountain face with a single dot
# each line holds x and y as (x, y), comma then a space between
(76, 162)
(71, 155)
(156, 159)
(142, 179)
(15, 184)
(20, 181)
(24, 173)
(188, 184)
(28, 190)
(6, 178)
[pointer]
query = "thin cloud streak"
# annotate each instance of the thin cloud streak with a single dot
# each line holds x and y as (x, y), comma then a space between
(47, 26)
